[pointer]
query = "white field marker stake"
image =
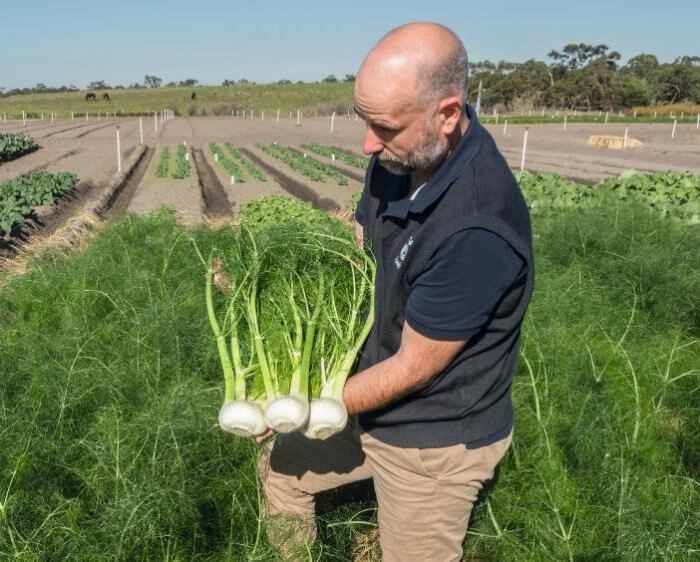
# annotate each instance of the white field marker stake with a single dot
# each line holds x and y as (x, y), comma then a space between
(141, 129)
(697, 122)
(24, 119)
(673, 131)
(655, 115)
(682, 114)
(233, 180)
(244, 114)
(87, 116)
(298, 117)
(624, 140)
(522, 160)
(607, 113)
(635, 113)
(216, 157)
(155, 122)
(72, 116)
(332, 121)
(52, 118)
(278, 115)
(119, 152)
(565, 122)
(497, 118)
(505, 127)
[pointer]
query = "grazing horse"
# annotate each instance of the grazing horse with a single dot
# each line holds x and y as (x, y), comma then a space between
(193, 96)
(91, 97)
(105, 97)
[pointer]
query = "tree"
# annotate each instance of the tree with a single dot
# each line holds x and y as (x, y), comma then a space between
(98, 85)
(641, 66)
(349, 78)
(188, 83)
(152, 81)
(330, 78)
(631, 91)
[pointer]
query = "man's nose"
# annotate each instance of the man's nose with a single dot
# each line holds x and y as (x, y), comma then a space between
(372, 144)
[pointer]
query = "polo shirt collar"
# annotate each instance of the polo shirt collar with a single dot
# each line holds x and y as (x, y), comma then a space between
(444, 177)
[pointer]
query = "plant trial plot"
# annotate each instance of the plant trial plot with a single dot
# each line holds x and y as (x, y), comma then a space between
(14, 145)
(18, 196)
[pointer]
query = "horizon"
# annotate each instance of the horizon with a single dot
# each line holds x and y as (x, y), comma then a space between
(268, 44)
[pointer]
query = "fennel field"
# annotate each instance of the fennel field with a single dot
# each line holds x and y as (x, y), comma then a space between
(111, 384)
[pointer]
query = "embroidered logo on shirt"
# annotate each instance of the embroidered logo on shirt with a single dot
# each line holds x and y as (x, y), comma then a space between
(398, 261)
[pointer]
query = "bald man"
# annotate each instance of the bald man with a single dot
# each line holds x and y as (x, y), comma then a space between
(430, 402)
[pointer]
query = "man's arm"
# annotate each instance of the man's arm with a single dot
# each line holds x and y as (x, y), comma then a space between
(417, 362)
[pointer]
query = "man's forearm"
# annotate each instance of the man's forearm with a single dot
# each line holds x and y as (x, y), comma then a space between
(380, 385)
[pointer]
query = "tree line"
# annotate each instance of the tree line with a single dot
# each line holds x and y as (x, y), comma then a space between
(586, 77)
(579, 76)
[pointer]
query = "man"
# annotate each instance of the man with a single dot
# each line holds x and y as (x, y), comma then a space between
(430, 402)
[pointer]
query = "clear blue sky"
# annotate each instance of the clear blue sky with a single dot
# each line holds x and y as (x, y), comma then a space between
(75, 41)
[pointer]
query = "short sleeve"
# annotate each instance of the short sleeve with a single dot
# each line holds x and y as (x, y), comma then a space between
(462, 284)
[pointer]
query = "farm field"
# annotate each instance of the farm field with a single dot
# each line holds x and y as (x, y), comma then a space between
(109, 446)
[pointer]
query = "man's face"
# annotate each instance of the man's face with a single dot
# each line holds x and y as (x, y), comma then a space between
(402, 132)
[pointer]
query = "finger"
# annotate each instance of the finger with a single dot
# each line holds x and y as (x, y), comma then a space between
(260, 438)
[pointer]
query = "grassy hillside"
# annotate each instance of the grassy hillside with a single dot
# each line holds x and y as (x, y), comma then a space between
(211, 100)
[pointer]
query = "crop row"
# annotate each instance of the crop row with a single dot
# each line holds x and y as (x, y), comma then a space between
(305, 165)
(349, 158)
(182, 163)
(250, 168)
(18, 196)
(163, 163)
(14, 145)
(235, 164)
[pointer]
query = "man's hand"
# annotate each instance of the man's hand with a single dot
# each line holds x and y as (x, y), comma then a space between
(417, 362)
(260, 438)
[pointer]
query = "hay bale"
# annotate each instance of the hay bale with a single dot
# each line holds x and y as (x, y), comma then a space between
(611, 141)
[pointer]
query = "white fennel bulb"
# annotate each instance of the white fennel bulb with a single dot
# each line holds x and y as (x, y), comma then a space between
(242, 418)
(327, 417)
(287, 413)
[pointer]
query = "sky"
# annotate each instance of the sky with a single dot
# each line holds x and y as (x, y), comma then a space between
(64, 42)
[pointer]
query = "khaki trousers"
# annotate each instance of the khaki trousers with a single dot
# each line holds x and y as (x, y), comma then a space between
(425, 496)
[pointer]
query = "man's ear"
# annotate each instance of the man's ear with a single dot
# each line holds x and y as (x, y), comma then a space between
(450, 111)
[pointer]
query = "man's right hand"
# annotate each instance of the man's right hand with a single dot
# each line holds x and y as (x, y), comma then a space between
(260, 438)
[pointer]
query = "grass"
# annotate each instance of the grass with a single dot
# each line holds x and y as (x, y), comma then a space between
(211, 100)
(322, 97)
(109, 446)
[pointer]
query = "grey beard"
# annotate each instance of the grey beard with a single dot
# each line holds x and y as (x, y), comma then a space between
(422, 158)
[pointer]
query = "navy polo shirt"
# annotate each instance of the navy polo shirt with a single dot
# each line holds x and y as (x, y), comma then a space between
(467, 276)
